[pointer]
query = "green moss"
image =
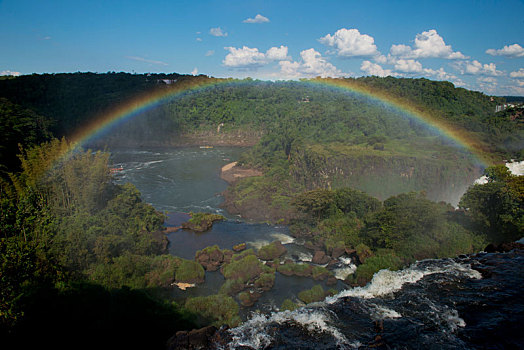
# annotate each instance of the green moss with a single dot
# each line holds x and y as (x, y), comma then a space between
(312, 295)
(232, 286)
(265, 281)
(287, 304)
(244, 269)
(272, 251)
(190, 272)
(365, 272)
(320, 273)
(201, 221)
(290, 269)
(216, 309)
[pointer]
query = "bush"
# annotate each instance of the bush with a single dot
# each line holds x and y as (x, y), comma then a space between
(287, 304)
(218, 309)
(190, 272)
(312, 295)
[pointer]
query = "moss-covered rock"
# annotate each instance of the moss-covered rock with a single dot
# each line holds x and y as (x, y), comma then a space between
(210, 258)
(363, 252)
(265, 282)
(272, 251)
(248, 298)
(290, 269)
(312, 295)
(201, 222)
(244, 269)
(189, 272)
(216, 310)
(320, 273)
(232, 287)
(239, 247)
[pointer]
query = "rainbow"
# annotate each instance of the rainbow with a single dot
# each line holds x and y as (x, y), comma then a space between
(147, 101)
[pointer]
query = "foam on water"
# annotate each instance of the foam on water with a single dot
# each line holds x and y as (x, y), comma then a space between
(305, 257)
(283, 238)
(255, 333)
(386, 282)
(343, 272)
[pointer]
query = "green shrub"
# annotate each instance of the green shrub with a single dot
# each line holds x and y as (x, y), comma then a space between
(218, 309)
(287, 304)
(190, 272)
(312, 295)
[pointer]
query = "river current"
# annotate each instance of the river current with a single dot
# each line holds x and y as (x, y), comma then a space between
(470, 302)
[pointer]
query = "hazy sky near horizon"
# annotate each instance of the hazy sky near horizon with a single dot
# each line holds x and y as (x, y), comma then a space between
(478, 45)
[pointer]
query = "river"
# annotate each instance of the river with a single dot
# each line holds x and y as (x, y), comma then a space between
(433, 304)
(181, 180)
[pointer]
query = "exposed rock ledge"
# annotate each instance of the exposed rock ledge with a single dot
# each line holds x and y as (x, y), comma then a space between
(232, 172)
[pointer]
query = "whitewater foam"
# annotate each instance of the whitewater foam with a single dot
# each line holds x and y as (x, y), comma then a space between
(283, 238)
(385, 282)
(255, 332)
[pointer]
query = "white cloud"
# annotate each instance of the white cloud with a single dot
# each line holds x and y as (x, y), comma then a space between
(408, 66)
(258, 19)
(350, 43)
(511, 51)
(8, 72)
(517, 74)
(247, 57)
(198, 39)
(217, 32)
(427, 44)
(145, 60)
(46, 38)
(312, 65)
(194, 71)
(443, 75)
(476, 68)
(210, 52)
(277, 53)
(371, 68)
(488, 84)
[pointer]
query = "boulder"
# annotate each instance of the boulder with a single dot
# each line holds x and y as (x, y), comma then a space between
(195, 339)
(337, 252)
(320, 258)
(503, 247)
(272, 251)
(239, 247)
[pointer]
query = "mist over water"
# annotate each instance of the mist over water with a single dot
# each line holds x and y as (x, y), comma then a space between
(176, 179)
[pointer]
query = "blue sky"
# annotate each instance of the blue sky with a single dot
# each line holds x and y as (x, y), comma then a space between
(475, 44)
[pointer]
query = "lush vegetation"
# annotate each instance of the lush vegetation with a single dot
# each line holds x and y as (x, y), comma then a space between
(69, 234)
(75, 246)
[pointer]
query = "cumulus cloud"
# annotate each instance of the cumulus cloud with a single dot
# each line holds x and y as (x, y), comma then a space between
(476, 68)
(441, 74)
(277, 53)
(408, 66)
(517, 74)
(312, 65)
(145, 60)
(247, 57)
(371, 68)
(350, 43)
(258, 19)
(511, 51)
(8, 72)
(210, 52)
(217, 32)
(198, 39)
(427, 44)
(194, 71)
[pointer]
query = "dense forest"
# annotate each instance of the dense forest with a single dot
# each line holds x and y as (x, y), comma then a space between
(73, 242)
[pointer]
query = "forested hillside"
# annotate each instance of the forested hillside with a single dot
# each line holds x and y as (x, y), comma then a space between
(74, 245)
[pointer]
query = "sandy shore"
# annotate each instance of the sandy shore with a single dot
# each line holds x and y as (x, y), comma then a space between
(231, 172)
